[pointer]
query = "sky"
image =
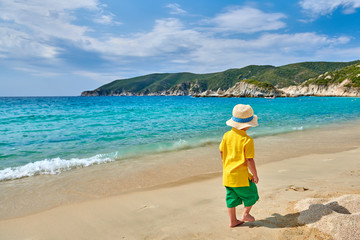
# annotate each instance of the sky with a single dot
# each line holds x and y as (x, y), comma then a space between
(61, 48)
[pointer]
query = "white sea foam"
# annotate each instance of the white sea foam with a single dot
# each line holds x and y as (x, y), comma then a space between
(51, 166)
(181, 144)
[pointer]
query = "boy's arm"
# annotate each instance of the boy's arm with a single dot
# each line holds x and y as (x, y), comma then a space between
(251, 165)
(221, 155)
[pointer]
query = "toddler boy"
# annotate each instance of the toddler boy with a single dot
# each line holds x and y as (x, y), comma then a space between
(237, 152)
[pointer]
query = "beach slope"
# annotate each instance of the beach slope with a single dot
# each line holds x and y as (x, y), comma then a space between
(307, 197)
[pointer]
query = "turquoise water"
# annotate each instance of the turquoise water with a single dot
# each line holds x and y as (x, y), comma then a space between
(48, 135)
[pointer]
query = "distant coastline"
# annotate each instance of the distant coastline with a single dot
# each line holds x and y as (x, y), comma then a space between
(293, 80)
(250, 90)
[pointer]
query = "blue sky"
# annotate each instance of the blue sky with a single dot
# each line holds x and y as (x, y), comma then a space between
(61, 48)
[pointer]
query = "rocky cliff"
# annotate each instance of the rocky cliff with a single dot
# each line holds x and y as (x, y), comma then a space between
(343, 82)
(333, 90)
(242, 89)
(233, 83)
(182, 89)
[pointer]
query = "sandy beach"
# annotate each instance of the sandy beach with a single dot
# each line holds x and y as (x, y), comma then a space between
(309, 189)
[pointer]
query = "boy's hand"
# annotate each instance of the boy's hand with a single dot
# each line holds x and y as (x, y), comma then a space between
(255, 179)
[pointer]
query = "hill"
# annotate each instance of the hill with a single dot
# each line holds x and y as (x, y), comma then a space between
(341, 82)
(351, 74)
(191, 83)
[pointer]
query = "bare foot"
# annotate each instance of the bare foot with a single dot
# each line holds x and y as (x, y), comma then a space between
(237, 223)
(247, 218)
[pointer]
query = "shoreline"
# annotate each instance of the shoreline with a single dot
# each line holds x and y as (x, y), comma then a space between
(19, 172)
(215, 95)
(36, 194)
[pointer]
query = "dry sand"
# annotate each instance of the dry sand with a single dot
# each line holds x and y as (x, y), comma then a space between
(311, 192)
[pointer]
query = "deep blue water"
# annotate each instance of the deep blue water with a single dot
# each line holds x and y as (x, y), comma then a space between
(47, 135)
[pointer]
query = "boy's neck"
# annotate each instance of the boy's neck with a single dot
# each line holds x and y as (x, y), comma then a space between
(245, 129)
(240, 131)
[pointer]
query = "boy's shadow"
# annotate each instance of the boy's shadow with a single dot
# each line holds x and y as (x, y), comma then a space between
(311, 215)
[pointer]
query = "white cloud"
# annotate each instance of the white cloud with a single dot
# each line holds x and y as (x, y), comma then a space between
(296, 42)
(170, 38)
(39, 23)
(37, 72)
(98, 76)
(217, 54)
(170, 45)
(175, 8)
(13, 43)
(106, 19)
(248, 20)
(324, 7)
(167, 36)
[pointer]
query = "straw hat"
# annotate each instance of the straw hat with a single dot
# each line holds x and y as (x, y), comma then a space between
(243, 116)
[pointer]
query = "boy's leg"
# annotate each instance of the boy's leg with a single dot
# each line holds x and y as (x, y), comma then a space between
(233, 220)
(246, 217)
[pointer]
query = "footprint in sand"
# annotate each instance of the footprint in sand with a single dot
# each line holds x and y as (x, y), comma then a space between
(145, 207)
(297, 189)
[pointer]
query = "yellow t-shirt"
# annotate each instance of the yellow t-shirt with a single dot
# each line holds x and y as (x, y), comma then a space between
(236, 146)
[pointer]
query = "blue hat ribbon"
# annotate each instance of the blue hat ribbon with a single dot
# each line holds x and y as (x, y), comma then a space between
(242, 120)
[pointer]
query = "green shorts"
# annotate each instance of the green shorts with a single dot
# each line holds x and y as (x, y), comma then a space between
(237, 195)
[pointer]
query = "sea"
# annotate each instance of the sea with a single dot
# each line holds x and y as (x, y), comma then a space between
(50, 135)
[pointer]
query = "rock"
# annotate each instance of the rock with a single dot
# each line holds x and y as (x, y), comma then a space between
(89, 93)
(241, 89)
(297, 189)
(338, 216)
(341, 90)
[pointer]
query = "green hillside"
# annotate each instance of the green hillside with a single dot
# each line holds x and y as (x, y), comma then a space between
(150, 83)
(228, 78)
(283, 76)
(351, 73)
(295, 74)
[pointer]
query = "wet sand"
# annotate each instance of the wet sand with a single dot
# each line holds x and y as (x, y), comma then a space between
(178, 195)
